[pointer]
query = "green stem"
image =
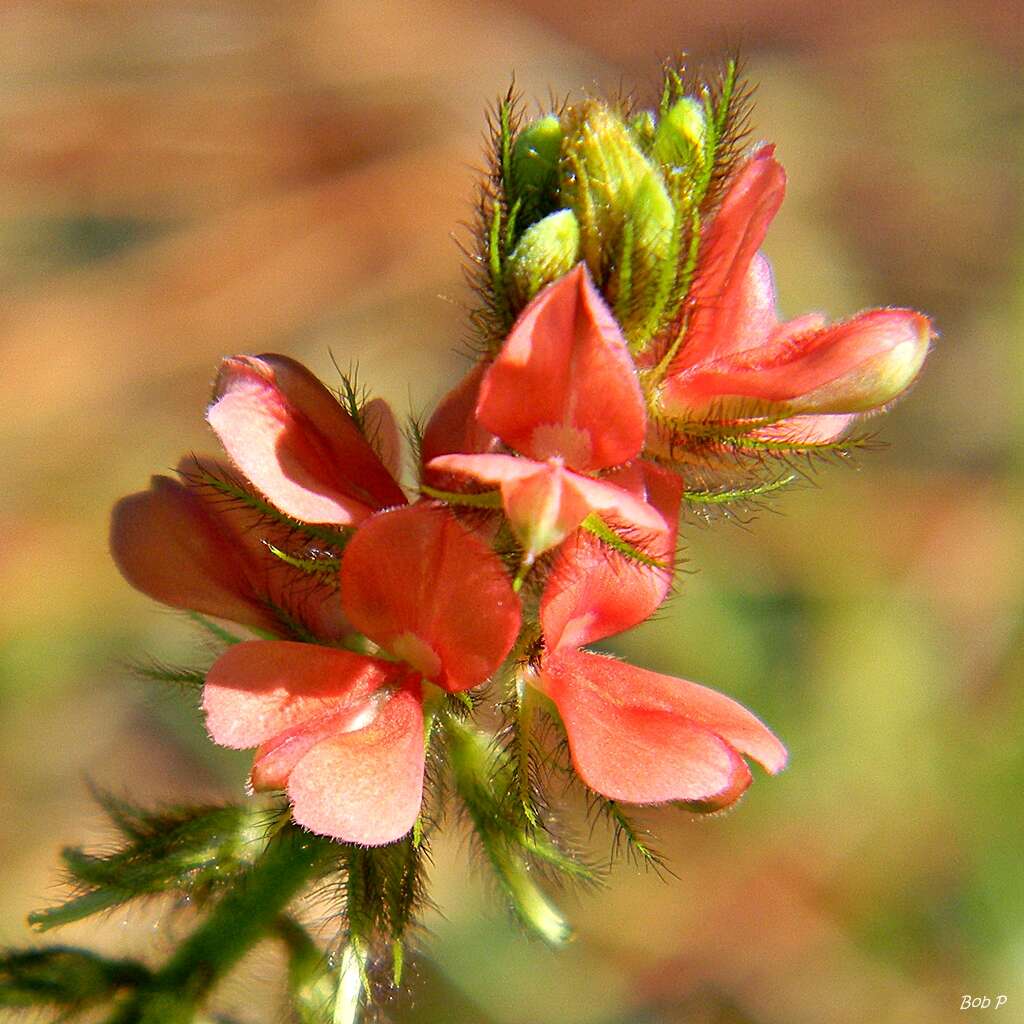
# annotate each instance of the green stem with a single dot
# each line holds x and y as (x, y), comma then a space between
(247, 913)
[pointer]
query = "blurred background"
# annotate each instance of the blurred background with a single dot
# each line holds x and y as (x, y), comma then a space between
(180, 180)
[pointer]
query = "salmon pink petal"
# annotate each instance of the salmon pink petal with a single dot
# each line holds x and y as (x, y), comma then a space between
(383, 433)
(594, 591)
(432, 593)
(168, 544)
(806, 431)
(316, 607)
(454, 426)
(568, 355)
(628, 747)
(365, 786)
(258, 689)
(732, 295)
(292, 439)
(617, 503)
(854, 366)
(545, 502)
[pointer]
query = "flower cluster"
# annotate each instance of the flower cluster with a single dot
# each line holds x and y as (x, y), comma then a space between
(631, 362)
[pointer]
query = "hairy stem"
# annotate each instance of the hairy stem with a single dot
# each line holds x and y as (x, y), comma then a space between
(247, 913)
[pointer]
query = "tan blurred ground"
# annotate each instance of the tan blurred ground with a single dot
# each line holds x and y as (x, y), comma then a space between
(179, 180)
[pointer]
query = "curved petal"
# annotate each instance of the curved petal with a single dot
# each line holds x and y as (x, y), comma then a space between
(594, 591)
(617, 503)
(292, 439)
(806, 431)
(384, 436)
(855, 366)
(628, 744)
(169, 545)
(365, 786)
(545, 502)
(454, 426)
(567, 354)
(426, 589)
(258, 689)
(732, 296)
(313, 604)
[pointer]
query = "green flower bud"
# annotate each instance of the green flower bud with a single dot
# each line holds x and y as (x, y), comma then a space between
(534, 166)
(644, 128)
(546, 251)
(679, 141)
(625, 214)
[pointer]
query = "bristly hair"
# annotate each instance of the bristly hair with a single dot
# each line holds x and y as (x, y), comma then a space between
(190, 850)
(153, 670)
(234, 493)
(730, 94)
(351, 393)
(413, 432)
(631, 840)
(493, 228)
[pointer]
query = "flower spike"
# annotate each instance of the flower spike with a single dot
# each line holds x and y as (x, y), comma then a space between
(631, 359)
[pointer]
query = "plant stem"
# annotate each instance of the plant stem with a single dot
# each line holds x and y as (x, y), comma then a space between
(247, 913)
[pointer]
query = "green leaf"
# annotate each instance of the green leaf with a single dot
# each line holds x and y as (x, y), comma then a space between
(66, 977)
(736, 494)
(193, 850)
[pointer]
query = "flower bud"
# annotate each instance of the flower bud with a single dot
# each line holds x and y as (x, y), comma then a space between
(547, 250)
(856, 366)
(534, 168)
(679, 140)
(625, 214)
(644, 127)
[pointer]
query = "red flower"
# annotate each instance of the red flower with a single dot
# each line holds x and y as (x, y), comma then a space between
(343, 732)
(562, 392)
(454, 428)
(595, 591)
(292, 439)
(738, 366)
(635, 735)
(184, 545)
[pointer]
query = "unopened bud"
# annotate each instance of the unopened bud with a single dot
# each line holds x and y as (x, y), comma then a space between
(644, 128)
(679, 140)
(546, 251)
(535, 164)
(625, 214)
(602, 170)
(652, 215)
